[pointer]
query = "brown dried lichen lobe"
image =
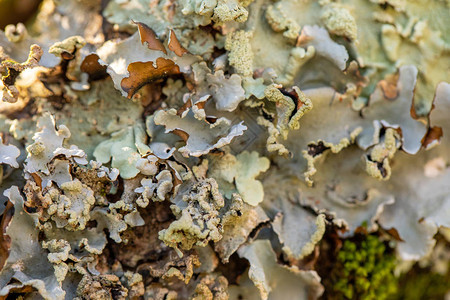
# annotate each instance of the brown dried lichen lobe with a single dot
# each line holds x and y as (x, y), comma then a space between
(93, 68)
(174, 44)
(149, 36)
(142, 73)
(435, 133)
(389, 86)
(5, 240)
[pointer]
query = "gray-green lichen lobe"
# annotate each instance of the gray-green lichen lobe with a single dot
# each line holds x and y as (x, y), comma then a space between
(214, 149)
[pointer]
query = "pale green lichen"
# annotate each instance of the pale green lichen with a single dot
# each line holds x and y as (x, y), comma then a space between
(69, 45)
(334, 148)
(339, 21)
(59, 253)
(289, 108)
(297, 58)
(9, 154)
(228, 92)
(124, 149)
(200, 135)
(156, 191)
(198, 223)
(303, 248)
(280, 23)
(240, 53)
(377, 160)
(229, 10)
(241, 170)
(249, 166)
(268, 125)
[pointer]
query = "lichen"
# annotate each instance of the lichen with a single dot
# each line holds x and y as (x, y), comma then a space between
(222, 149)
(199, 222)
(9, 154)
(339, 21)
(240, 52)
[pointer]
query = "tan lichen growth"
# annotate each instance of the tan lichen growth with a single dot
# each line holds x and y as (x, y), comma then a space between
(279, 22)
(185, 272)
(155, 291)
(272, 143)
(173, 267)
(211, 287)
(59, 250)
(237, 226)
(135, 285)
(325, 146)
(71, 209)
(377, 160)
(339, 21)
(101, 287)
(155, 191)
(198, 223)
(69, 45)
(10, 92)
(59, 253)
(290, 107)
(240, 53)
(16, 33)
(229, 10)
(298, 57)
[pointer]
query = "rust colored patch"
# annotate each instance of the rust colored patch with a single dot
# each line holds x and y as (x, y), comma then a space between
(389, 87)
(174, 44)
(291, 93)
(67, 56)
(142, 73)
(15, 291)
(303, 39)
(181, 134)
(148, 35)
(434, 134)
(37, 179)
(210, 120)
(185, 107)
(361, 230)
(93, 68)
(5, 240)
(394, 233)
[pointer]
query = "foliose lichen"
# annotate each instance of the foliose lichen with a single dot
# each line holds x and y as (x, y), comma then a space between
(212, 149)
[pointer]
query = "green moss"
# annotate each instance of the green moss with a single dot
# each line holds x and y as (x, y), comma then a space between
(422, 283)
(364, 270)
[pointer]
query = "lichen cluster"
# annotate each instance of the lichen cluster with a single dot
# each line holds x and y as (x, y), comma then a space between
(212, 149)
